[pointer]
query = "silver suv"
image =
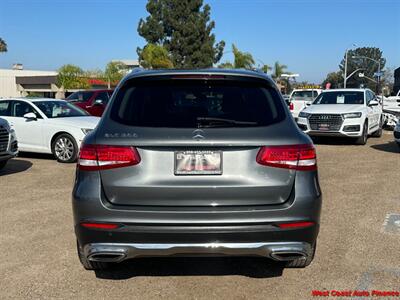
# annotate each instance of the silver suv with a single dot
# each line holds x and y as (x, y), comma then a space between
(8, 143)
(205, 162)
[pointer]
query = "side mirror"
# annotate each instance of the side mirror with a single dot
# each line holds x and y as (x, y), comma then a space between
(30, 116)
(373, 103)
(98, 102)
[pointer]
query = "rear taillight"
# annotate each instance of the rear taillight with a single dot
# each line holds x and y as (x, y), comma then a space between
(103, 157)
(297, 157)
(291, 106)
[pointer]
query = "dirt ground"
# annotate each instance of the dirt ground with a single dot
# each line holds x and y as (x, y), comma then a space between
(358, 245)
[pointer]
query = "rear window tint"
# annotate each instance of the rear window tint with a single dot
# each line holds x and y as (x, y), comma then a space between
(196, 103)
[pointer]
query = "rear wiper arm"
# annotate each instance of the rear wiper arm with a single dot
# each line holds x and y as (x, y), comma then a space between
(222, 120)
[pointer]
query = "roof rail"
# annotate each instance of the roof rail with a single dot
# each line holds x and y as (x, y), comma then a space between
(137, 70)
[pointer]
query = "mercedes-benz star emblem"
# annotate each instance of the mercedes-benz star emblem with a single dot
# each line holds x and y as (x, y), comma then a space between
(198, 134)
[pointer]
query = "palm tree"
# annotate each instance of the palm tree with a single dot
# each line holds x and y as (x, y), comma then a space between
(278, 70)
(243, 60)
(3, 45)
(266, 68)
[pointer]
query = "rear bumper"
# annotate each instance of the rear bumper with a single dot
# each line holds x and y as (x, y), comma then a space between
(279, 251)
(246, 230)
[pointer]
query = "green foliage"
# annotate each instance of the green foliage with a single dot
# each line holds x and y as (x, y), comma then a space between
(155, 57)
(266, 68)
(184, 28)
(95, 73)
(243, 60)
(369, 67)
(114, 71)
(279, 70)
(335, 79)
(3, 45)
(226, 65)
(72, 77)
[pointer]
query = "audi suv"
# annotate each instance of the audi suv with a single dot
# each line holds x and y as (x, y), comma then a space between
(196, 163)
(8, 143)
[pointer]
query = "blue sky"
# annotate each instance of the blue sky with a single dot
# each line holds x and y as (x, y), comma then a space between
(309, 36)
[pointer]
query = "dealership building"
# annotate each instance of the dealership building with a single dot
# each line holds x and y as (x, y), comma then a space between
(17, 82)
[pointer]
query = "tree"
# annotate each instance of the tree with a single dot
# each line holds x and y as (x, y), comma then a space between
(3, 45)
(356, 61)
(278, 70)
(243, 60)
(155, 57)
(95, 73)
(266, 68)
(335, 79)
(72, 77)
(226, 65)
(184, 28)
(114, 72)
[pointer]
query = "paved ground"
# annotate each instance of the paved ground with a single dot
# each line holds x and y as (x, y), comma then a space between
(361, 188)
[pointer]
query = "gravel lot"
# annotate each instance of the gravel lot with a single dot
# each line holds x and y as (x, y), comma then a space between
(355, 250)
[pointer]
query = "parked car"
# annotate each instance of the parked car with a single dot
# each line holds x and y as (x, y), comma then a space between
(8, 142)
(93, 101)
(196, 163)
(343, 112)
(300, 99)
(396, 133)
(48, 125)
(392, 104)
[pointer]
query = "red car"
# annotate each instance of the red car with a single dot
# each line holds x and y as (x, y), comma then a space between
(93, 101)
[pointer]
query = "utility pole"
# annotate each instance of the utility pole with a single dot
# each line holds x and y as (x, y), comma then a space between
(345, 70)
(345, 67)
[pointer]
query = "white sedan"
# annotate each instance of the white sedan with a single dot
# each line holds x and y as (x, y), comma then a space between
(48, 125)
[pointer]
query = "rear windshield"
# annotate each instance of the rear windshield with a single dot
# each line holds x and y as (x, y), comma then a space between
(304, 94)
(196, 103)
(340, 98)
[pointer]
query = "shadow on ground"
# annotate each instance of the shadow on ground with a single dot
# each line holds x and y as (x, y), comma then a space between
(391, 147)
(36, 155)
(15, 166)
(213, 266)
(328, 140)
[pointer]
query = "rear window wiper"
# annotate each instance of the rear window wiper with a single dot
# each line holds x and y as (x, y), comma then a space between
(218, 121)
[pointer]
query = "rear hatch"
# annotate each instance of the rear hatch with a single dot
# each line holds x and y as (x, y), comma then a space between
(198, 140)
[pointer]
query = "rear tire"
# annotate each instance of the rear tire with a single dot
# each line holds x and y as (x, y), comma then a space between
(362, 140)
(90, 265)
(3, 164)
(64, 148)
(302, 262)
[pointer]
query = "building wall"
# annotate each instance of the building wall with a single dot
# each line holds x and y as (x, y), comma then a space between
(8, 86)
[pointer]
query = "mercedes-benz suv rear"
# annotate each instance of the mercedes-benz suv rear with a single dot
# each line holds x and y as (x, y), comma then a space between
(196, 163)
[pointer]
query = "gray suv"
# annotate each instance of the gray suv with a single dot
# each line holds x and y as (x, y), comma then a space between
(205, 162)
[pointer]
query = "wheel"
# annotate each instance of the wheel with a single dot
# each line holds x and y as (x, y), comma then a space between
(90, 265)
(378, 133)
(362, 140)
(3, 164)
(64, 148)
(302, 262)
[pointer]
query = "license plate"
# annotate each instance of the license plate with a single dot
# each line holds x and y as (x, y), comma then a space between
(198, 163)
(323, 127)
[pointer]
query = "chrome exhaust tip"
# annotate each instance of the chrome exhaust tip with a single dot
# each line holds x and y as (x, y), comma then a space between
(107, 256)
(288, 255)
